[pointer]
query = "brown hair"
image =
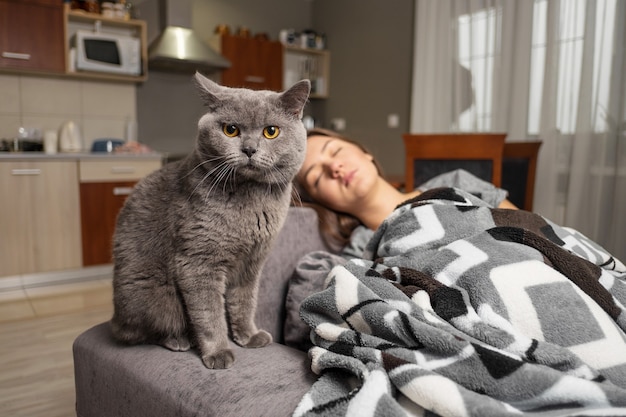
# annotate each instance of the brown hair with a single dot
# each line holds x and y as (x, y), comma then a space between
(335, 227)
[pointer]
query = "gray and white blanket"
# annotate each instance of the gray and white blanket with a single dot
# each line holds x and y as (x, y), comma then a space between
(459, 309)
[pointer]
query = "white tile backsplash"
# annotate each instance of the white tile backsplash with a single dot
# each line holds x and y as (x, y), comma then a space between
(100, 109)
(9, 123)
(108, 100)
(9, 94)
(50, 96)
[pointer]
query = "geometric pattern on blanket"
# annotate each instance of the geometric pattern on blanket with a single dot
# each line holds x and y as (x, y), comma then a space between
(459, 309)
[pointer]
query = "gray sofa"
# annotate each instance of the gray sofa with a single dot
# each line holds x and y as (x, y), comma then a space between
(115, 380)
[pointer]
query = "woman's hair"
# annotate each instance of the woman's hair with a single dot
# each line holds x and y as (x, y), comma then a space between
(335, 227)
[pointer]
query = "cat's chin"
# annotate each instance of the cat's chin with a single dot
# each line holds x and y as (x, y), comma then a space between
(252, 168)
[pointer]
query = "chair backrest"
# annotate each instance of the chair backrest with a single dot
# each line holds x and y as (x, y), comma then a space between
(428, 155)
(519, 165)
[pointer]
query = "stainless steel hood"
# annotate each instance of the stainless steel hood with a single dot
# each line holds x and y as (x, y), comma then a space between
(178, 48)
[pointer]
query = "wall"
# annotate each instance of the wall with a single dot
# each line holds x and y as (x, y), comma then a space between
(100, 109)
(371, 46)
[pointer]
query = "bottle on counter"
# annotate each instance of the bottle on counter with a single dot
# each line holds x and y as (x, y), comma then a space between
(50, 142)
(130, 133)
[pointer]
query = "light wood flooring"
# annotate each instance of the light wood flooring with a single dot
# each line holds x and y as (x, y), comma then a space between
(37, 328)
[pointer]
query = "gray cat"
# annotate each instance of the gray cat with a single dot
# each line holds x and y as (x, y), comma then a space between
(191, 239)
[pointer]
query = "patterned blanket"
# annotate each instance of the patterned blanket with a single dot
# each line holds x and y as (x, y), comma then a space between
(459, 309)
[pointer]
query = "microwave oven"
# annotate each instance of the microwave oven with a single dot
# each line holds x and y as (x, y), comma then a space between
(107, 52)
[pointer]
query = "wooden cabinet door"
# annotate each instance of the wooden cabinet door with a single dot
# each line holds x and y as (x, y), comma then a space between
(104, 186)
(100, 204)
(255, 63)
(32, 35)
(39, 217)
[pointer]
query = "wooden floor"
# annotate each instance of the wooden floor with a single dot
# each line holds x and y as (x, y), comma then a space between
(37, 329)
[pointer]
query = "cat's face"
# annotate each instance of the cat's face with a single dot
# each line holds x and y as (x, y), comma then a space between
(252, 135)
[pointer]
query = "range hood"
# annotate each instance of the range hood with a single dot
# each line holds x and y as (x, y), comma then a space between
(178, 48)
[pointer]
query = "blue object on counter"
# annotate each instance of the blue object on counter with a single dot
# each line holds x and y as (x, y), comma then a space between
(106, 145)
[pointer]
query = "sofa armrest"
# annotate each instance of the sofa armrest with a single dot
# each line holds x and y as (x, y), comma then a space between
(299, 236)
(148, 380)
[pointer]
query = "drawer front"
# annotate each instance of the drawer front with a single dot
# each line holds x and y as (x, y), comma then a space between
(118, 170)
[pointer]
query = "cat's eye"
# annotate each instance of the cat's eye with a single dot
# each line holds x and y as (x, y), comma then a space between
(230, 130)
(271, 132)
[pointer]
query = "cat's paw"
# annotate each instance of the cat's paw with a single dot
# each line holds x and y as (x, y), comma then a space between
(260, 339)
(221, 360)
(177, 344)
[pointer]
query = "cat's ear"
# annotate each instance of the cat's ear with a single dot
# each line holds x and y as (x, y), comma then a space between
(294, 99)
(208, 89)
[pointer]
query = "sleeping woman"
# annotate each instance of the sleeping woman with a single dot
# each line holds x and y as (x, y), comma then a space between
(345, 184)
(447, 299)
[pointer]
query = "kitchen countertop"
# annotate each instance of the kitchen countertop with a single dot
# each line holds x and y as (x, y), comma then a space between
(74, 156)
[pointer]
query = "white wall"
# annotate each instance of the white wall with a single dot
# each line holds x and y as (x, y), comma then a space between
(101, 109)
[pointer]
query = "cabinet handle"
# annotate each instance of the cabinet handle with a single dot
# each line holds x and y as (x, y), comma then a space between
(122, 170)
(254, 79)
(122, 190)
(16, 55)
(26, 171)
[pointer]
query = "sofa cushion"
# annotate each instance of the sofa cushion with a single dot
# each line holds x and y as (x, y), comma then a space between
(299, 235)
(148, 380)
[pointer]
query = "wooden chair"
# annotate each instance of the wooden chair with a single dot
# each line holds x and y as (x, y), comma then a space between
(428, 155)
(519, 165)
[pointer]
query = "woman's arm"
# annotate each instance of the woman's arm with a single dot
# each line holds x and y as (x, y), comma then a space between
(506, 204)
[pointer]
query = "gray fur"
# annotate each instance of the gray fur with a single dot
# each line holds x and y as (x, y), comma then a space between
(191, 239)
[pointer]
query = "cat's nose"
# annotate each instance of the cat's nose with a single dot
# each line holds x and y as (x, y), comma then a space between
(248, 150)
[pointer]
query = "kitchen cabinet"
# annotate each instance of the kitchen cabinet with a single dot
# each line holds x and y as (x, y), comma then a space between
(32, 35)
(40, 217)
(255, 63)
(81, 20)
(309, 63)
(104, 187)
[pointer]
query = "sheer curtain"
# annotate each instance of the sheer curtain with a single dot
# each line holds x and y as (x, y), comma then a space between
(552, 70)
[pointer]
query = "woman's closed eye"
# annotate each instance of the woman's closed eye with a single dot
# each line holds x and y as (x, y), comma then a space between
(317, 180)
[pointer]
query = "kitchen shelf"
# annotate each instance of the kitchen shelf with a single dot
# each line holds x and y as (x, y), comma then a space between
(81, 20)
(313, 64)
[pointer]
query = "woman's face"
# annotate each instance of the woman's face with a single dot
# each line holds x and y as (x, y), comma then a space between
(337, 173)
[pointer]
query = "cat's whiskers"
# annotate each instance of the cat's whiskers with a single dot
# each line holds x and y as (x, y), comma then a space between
(278, 178)
(226, 170)
(296, 198)
(270, 180)
(206, 161)
(207, 175)
(227, 174)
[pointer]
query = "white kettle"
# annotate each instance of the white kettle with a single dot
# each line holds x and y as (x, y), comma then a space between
(69, 137)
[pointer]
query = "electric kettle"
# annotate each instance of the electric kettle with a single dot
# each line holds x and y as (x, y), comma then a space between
(69, 137)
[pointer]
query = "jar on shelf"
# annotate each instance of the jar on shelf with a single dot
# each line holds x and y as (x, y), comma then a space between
(107, 9)
(120, 11)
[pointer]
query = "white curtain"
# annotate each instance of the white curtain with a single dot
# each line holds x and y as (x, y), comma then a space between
(553, 70)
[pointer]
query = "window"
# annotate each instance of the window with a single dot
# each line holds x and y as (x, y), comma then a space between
(478, 36)
(477, 50)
